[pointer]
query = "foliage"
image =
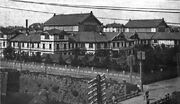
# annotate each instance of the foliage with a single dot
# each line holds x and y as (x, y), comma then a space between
(9, 53)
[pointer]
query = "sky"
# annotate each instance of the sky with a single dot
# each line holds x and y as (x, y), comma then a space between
(11, 17)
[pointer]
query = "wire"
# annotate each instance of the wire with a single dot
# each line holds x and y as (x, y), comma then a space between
(26, 10)
(53, 13)
(159, 10)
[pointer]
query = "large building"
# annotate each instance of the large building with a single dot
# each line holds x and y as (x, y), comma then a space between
(74, 22)
(63, 34)
(147, 25)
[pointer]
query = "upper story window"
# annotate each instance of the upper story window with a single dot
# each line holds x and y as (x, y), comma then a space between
(4, 44)
(22, 44)
(50, 46)
(113, 44)
(57, 46)
(27, 45)
(82, 45)
(90, 28)
(13, 44)
(105, 45)
(37, 45)
(46, 36)
(65, 46)
(32, 45)
(2, 36)
(90, 45)
(61, 36)
(43, 46)
(117, 44)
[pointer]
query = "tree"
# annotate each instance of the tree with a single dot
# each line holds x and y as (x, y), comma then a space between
(9, 53)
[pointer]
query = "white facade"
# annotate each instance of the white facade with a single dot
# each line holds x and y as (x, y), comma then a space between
(63, 28)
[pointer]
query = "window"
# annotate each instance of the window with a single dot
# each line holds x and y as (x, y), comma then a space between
(50, 47)
(90, 28)
(27, 45)
(113, 44)
(117, 44)
(61, 36)
(46, 36)
(13, 44)
(82, 45)
(65, 46)
(105, 45)
(98, 45)
(57, 46)
(4, 44)
(72, 45)
(43, 46)
(32, 45)
(22, 44)
(90, 45)
(37, 45)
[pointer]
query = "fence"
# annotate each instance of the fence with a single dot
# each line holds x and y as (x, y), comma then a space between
(165, 100)
(124, 97)
(66, 70)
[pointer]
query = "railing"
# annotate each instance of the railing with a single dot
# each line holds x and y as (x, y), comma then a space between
(60, 69)
(165, 100)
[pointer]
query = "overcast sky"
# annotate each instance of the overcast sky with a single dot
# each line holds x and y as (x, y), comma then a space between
(15, 17)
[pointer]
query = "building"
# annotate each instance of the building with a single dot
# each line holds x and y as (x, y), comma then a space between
(169, 39)
(29, 43)
(3, 42)
(74, 22)
(54, 41)
(114, 27)
(147, 25)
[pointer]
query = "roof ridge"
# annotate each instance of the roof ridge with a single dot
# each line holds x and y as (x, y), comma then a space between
(72, 14)
(145, 19)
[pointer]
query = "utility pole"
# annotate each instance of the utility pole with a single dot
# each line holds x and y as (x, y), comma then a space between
(178, 63)
(97, 93)
(141, 57)
(131, 62)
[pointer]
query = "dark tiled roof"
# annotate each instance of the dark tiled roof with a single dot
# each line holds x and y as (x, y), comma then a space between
(155, 35)
(144, 23)
(121, 36)
(141, 35)
(167, 36)
(93, 36)
(67, 19)
(114, 25)
(32, 37)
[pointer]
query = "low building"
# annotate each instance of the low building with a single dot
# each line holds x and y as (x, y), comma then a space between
(3, 42)
(147, 25)
(114, 27)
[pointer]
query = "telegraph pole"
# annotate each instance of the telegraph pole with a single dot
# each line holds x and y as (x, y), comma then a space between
(97, 94)
(141, 57)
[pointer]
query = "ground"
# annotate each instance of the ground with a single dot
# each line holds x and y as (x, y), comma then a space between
(156, 90)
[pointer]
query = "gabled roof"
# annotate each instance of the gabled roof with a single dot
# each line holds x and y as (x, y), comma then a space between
(68, 19)
(141, 35)
(167, 36)
(146, 23)
(121, 36)
(32, 37)
(157, 35)
(92, 36)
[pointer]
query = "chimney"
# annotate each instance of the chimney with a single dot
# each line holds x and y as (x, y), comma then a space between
(54, 14)
(26, 25)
